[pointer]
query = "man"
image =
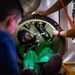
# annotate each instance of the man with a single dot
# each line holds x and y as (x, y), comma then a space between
(26, 42)
(34, 60)
(10, 16)
(24, 36)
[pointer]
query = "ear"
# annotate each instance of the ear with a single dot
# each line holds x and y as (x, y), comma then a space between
(10, 20)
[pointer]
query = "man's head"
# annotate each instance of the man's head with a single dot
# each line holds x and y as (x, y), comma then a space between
(53, 66)
(28, 71)
(24, 36)
(10, 15)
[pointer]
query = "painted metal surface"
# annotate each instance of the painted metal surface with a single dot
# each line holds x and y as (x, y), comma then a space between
(69, 56)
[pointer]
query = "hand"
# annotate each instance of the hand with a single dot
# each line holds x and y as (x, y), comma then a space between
(40, 12)
(55, 32)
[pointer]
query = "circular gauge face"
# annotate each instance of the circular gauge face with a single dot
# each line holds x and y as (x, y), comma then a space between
(41, 29)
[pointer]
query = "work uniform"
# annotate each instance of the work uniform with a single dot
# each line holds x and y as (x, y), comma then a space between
(8, 62)
(34, 59)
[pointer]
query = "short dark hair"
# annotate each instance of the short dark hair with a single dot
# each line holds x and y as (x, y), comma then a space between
(53, 66)
(49, 69)
(28, 71)
(9, 7)
(20, 35)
